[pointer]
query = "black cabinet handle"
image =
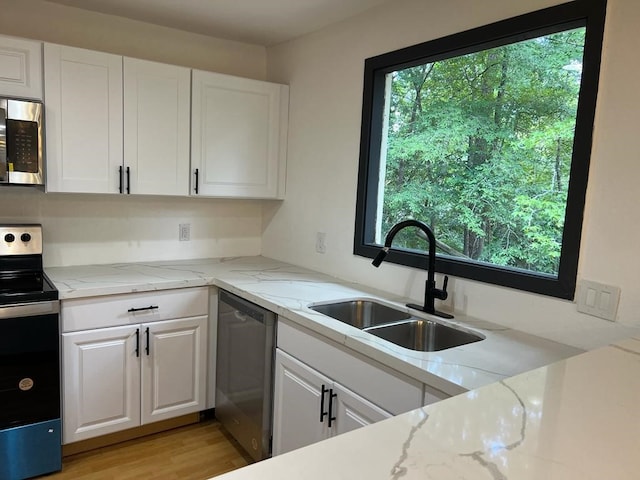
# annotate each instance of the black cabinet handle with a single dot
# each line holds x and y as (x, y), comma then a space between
(128, 180)
(120, 172)
(196, 187)
(146, 348)
(150, 307)
(322, 412)
(331, 397)
(137, 342)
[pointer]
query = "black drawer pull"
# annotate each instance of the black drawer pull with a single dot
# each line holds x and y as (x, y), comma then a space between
(322, 412)
(146, 349)
(150, 307)
(331, 397)
(137, 342)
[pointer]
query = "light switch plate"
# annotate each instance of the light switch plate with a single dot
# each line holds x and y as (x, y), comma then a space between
(598, 299)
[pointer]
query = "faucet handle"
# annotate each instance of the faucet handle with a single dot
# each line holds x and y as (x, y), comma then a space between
(442, 294)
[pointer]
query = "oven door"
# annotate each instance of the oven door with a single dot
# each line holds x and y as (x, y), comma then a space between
(29, 364)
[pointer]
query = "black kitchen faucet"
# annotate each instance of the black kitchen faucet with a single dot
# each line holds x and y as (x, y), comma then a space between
(430, 290)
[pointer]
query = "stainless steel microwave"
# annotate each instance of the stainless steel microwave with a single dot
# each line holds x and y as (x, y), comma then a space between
(21, 142)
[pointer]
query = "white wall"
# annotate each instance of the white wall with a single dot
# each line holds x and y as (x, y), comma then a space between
(325, 72)
(86, 229)
(50, 22)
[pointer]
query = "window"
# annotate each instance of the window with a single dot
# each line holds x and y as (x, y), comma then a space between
(485, 136)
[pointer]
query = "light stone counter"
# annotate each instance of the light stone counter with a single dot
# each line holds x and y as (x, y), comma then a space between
(576, 419)
(288, 290)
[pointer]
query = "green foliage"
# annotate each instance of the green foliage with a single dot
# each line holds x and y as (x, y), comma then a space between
(479, 147)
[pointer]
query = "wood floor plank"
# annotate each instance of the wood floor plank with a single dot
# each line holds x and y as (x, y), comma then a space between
(194, 452)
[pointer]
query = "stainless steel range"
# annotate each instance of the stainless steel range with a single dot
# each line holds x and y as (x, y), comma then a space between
(30, 428)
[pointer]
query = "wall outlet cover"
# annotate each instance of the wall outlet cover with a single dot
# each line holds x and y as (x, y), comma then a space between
(184, 232)
(321, 242)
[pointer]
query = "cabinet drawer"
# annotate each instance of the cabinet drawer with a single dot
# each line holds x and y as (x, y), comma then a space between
(132, 308)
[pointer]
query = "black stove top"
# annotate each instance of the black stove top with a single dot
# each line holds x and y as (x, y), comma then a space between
(26, 288)
(22, 278)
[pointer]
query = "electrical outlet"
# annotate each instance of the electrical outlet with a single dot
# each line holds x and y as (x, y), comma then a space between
(184, 234)
(321, 242)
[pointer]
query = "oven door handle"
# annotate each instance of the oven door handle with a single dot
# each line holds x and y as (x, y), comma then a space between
(4, 174)
(29, 309)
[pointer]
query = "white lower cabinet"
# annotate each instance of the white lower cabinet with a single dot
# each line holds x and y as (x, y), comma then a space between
(121, 377)
(174, 369)
(309, 407)
(297, 398)
(353, 411)
(101, 382)
(323, 389)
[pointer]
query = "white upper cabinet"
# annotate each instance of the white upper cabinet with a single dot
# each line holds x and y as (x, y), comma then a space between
(156, 127)
(20, 68)
(123, 125)
(115, 125)
(83, 101)
(238, 137)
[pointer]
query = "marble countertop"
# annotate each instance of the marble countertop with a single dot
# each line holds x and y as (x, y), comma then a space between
(576, 419)
(288, 290)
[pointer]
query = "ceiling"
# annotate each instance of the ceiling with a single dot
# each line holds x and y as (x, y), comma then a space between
(262, 22)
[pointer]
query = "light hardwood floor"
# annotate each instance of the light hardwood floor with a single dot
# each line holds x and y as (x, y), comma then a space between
(194, 452)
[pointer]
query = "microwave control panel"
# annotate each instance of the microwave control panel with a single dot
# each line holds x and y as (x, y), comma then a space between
(22, 146)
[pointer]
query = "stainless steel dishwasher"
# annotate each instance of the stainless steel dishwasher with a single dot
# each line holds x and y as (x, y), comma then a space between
(246, 338)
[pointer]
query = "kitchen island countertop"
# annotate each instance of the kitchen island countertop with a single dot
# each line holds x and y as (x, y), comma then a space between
(576, 419)
(288, 290)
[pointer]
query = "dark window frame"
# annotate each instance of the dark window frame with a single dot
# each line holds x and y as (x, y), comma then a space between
(589, 13)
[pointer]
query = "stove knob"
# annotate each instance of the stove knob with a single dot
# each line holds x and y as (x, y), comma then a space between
(25, 237)
(9, 237)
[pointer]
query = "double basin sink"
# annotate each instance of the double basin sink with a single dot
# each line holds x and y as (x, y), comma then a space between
(397, 326)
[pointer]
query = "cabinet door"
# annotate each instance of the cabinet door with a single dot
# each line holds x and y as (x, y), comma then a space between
(352, 411)
(157, 114)
(101, 382)
(297, 405)
(238, 142)
(20, 68)
(83, 101)
(173, 368)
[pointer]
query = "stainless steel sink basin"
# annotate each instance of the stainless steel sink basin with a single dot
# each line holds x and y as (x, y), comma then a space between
(361, 313)
(423, 335)
(397, 326)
